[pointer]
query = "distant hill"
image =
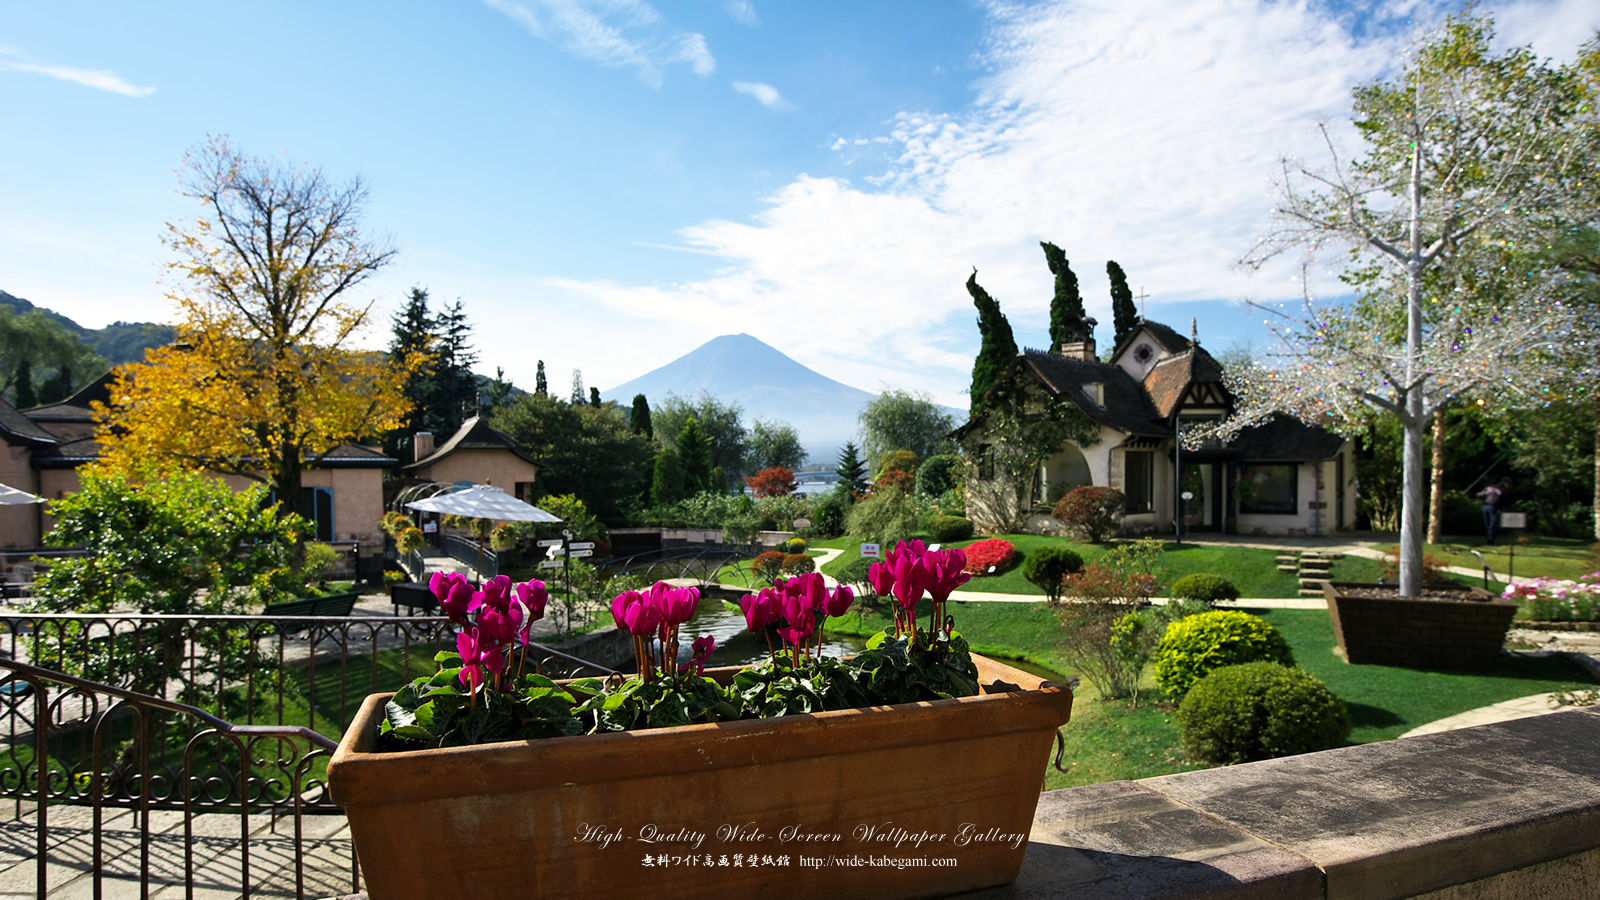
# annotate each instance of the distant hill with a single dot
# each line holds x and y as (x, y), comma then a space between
(118, 343)
(737, 368)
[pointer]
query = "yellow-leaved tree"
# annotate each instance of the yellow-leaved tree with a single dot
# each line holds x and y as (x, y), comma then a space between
(264, 378)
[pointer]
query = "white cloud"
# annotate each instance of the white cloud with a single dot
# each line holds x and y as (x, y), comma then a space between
(766, 94)
(99, 79)
(742, 12)
(614, 33)
(1132, 130)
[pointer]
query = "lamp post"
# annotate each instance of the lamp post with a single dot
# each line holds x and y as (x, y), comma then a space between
(1177, 477)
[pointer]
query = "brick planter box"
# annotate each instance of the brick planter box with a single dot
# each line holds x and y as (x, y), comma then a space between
(1419, 633)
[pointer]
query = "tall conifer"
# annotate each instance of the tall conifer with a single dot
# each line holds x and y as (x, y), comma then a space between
(1124, 315)
(1066, 307)
(998, 346)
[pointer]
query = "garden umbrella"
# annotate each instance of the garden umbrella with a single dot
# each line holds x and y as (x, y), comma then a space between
(10, 495)
(483, 501)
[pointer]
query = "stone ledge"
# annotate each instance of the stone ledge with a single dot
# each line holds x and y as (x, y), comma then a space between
(1391, 819)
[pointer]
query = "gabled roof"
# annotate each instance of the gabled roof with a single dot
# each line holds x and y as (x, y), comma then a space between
(17, 427)
(76, 408)
(1126, 408)
(474, 434)
(1285, 439)
(1169, 379)
(353, 456)
(67, 454)
(1171, 341)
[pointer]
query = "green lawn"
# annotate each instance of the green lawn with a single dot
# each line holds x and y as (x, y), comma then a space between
(1254, 572)
(1535, 556)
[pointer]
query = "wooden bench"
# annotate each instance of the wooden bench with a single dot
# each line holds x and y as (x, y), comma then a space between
(333, 606)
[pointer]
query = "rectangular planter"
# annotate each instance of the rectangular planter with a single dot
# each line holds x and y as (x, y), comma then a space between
(1419, 633)
(596, 815)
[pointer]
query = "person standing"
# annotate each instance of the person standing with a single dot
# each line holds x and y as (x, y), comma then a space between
(1494, 497)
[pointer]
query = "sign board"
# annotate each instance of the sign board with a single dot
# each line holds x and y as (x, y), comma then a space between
(580, 553)
(586, 545)
(802, 523)
(552, 564)
(430, 527)
(1513, 520)
(869, 550)
(553, 542)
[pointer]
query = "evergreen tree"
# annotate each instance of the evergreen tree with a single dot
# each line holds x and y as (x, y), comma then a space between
(639, 420)
(998, 347)
(540, 386)
(852, 471)
(57, 387)
(24, 386)
(1124, 315)
(412, 332)
(577, 387)
(455, 388)
(594, 397)
(666, 483)
(694, 454)
(1067, 317)
(498, 394)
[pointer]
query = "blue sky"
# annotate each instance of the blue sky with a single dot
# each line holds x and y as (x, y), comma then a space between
(606, 184)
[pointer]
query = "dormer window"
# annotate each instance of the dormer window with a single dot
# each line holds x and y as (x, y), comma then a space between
(1096, 391)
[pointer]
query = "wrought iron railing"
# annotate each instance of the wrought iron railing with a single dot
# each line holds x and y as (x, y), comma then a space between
(127, 732)
(468, 551)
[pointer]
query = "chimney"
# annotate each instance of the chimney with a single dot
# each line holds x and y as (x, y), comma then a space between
(421, 446)
(1083, 350)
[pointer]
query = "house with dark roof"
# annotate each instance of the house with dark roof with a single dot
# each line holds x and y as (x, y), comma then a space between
(1283, 477)
(42, 448)
(475, 454)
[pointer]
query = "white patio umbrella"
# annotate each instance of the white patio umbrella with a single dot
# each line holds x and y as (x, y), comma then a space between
(483, 501)
(10, 495)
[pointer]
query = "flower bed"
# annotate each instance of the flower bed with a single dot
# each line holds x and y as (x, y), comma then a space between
(990, 556)
(1557, 600)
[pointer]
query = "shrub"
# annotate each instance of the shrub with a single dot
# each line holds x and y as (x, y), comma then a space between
(1048, 566)
(948, 529)
(1205, 587)
(774, 482)
(1195, 646)
(904, 460)
(317, 563)
(939, 474)
(1433, 569)
(885, 518)
(793, 545)
(741, 529)
(827, 515)
(1260, 710)
(798, 564)
(1102, 580)
(897, 481)
(996, 554)
(767, 566)
(1095, 640)
(1092, 512)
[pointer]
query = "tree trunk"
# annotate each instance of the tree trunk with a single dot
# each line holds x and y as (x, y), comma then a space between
(1436, 491)
(1597, 466)
(1412, 417)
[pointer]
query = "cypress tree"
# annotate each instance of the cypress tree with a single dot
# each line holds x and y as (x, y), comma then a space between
(998, 347)
(666, 483)
(1066, 307)
(594, 397)
(1124, 315)
(540, 386)
(694, 455)
(639, 419)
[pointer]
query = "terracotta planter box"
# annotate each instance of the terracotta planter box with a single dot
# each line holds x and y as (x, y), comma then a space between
(580, 816)
(1419, 633)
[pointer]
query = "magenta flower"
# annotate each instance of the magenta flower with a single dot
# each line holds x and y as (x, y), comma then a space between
(881, 577)
(945, 571)
(454, 594)
(760, 610)
(678, 605)
(477, 655)
(701, 651)
(641, 618)
(496, 594)
(911, 579)
(838, 603)
(621, 605)
(534, 596)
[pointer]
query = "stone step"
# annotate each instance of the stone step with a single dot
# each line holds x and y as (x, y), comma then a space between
(1308, 592)
(1314, 565)
(1291, 569)
(1287, 559)
(1313, 583)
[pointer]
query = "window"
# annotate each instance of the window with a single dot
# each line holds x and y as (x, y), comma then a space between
(1270, 489)
(316, 506)
(1096, 392)
(1138, 480)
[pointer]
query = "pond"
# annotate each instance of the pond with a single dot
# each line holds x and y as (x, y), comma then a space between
(736, 646)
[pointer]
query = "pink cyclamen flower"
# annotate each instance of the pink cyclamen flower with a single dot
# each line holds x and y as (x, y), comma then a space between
(620, 606)
(534, 596)
(678, 605)
(911, 579)
(881, 576)
(760, 610)
(454, 594)
(945, 570)
(496, 593)
(701, 651)
(838, 603)
(476, 655)
(642, 618)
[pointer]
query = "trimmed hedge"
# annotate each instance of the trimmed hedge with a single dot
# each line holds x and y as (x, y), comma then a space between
(1260, 710)
(1195, 646)
(1047, 566)
(949, 529)
(1204, 586)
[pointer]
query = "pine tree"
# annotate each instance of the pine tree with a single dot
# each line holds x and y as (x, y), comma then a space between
(540, 386)
(998, 346)
(455, 388)
(1124, 315)
(639, 420)
(594, 397)
(57, 387)
(1067, 316)
(852, 471)
(24, 386)
(666, 483)
(498, 394)
(694, 455)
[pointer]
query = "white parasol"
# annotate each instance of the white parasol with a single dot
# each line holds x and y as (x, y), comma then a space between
(483, 501)
(10, 495)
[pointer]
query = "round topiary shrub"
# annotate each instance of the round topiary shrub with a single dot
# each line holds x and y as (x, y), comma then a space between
(990, 557)
(767, 566)
(793, 545)
(1260, 710)
(1195, 646)
(948, 529)
(798, 564)
(1204, 587)
(1047, 566)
